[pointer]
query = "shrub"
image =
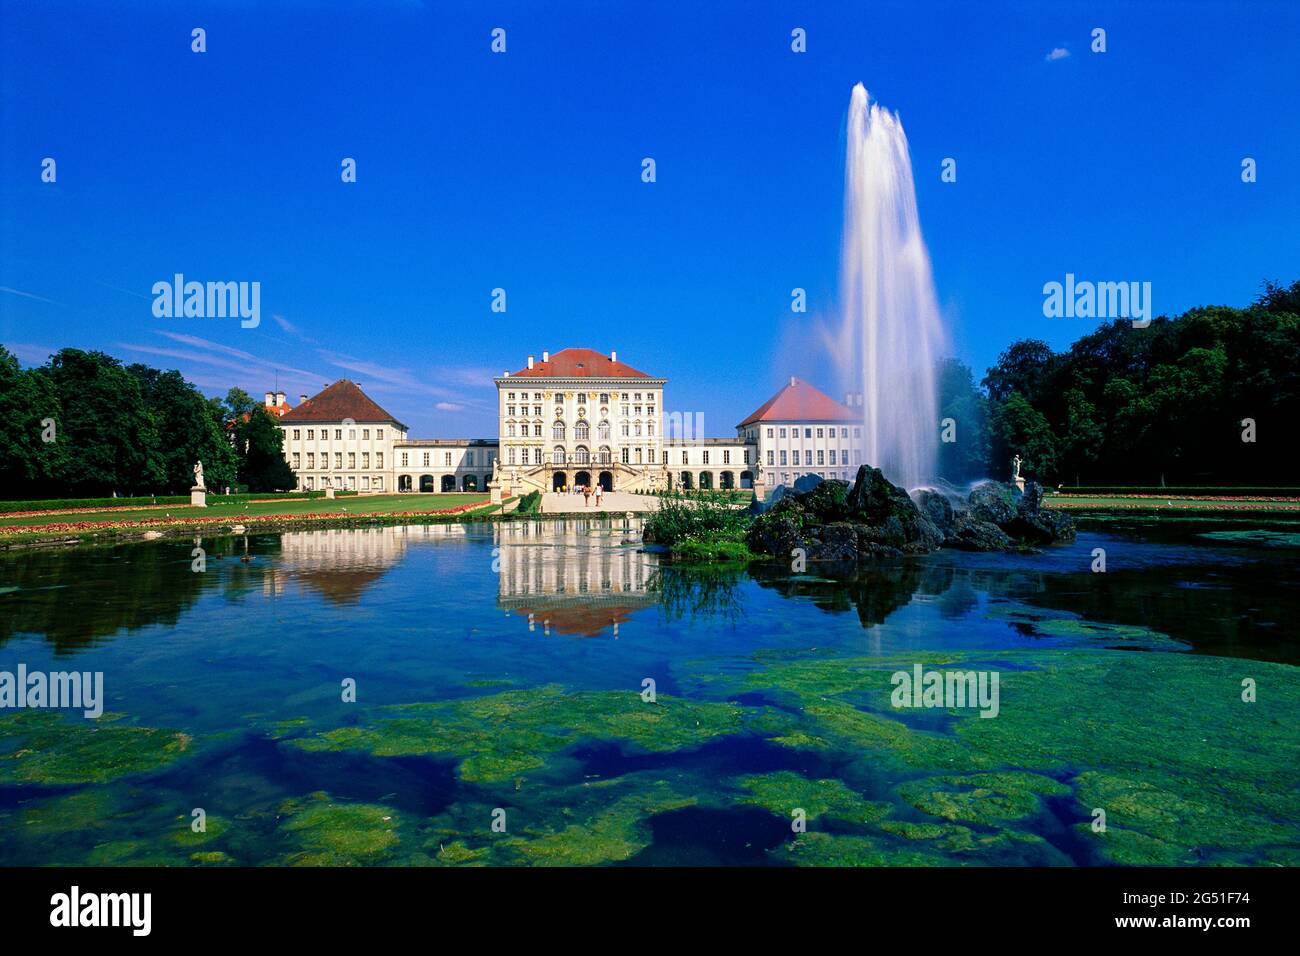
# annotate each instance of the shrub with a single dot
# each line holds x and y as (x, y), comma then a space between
(530, 504)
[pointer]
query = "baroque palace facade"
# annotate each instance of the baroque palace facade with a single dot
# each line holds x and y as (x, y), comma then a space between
(577, 417)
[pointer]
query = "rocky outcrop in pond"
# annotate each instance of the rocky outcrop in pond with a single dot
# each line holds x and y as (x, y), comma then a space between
(835, 521)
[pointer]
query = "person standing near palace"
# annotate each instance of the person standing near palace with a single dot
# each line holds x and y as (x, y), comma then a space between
(586, 495)
(600, 490)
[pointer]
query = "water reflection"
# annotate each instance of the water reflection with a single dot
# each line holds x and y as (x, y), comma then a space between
(574, 576)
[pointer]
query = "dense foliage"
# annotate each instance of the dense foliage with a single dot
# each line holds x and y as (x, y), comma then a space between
(1127, 406)
(85, 426)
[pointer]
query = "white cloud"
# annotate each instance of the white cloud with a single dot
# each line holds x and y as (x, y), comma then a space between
(448, 407)
(1058, 53)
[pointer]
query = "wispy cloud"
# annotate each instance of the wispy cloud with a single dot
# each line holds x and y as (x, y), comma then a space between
(30, 354)
(1057, 53)
(28, 295)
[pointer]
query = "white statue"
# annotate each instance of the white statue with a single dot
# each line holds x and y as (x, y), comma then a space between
(198, 474)
(1015, 465)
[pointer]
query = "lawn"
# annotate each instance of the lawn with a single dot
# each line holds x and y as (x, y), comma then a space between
(353, 505)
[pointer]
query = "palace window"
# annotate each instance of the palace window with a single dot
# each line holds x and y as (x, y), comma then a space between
(685, 458)
(782, 432)
(426, 459)
(352, 434)
(379, 484)
(295, 434)
(510, 410)
(638, 456)
(604, 398)
(311, 459)
(636, 429)
(511, 396)
(365, 459)
(379, 436)
(820, 433)
(557, 431)
(650, 410)
(807, 433)
(338, 434)
(446, 459)
(352, 461)
(769, 457)
(665, 457)
(807, 457)
(783, 461)
(650, 429)
(365, 434)
(580, 455)
(857, 433)
(469, 458)
(557, 455)
(537, 429)
(311, 434)
(379, 459)
(602, 431)
(510, 454)
(726, 458)
(338, 459)
(821, 457)
(705, 459)
(510, 431)
(832, 456)
(625, 429)
(537, 396)
(625, 460)
(537, 456)
(769, 433)
(537, 409)
(747, 456)
(295, 461)
(580, 431)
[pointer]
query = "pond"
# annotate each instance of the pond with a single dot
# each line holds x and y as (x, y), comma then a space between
(547, 692)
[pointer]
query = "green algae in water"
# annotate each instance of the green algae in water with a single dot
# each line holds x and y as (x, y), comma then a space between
(1271, 539)
(1078, 632)
(330, 833)
(612, 835)
(982, 798)
(816, 848)
(784, 791)
(42, 747)
(504, 735)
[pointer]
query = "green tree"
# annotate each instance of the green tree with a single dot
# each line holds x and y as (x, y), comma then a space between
(30, 466)
(259, 444)
(110, 440)
(965, 458)
(188, 430)
(1020, 429)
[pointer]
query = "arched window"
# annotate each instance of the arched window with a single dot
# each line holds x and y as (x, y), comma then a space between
(605, 456)
(580, 431)
(557, 455)
(580, 455)
(602, 431)
(557, 431)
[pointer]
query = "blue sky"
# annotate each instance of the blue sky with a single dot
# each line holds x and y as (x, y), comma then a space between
(522, 171)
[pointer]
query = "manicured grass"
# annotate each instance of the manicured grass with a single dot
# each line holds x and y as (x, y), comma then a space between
(353, 505)
(1172, 503)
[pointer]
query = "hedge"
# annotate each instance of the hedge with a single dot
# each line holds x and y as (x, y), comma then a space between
(58, 504)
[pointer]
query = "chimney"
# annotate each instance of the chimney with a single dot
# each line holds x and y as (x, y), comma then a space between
(792, 381)
(279, 398)
(546, 356)
(530, 361)
(269, 398)
(613, 356)
(301, 399)
(505, 374)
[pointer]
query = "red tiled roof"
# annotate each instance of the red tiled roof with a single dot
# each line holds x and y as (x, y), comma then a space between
(800, 402)
(579, 363)
(343, 399)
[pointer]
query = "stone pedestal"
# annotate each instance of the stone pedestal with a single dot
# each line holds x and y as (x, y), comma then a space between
(495, 488)
(329, 492)
(198, 497)
(1020, 483)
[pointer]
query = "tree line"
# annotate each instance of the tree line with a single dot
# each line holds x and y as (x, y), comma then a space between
(1209, 397)
(84, 425)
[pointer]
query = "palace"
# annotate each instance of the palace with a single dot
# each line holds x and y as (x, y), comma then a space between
(574, 418)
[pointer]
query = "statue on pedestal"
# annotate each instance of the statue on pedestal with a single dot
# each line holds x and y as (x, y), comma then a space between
(198, 474)
(1015, 473)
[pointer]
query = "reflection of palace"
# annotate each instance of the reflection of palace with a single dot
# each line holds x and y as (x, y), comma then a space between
(570, 575)
(576, 418)
(340, 563)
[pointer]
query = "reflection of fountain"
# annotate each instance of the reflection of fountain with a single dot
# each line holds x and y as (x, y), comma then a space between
(891, 314)
(571, 575)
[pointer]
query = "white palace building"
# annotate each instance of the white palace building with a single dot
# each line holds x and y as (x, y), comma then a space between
(577, 417)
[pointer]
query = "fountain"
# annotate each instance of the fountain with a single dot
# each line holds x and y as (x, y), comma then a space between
(891, 333)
